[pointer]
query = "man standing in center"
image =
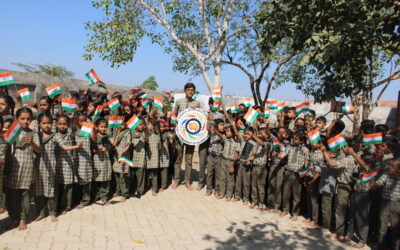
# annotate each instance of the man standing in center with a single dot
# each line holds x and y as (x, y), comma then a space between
(180, 105)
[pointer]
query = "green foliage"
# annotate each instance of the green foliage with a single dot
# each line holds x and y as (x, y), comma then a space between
(345, 43)
(149, 83)
(46, 69)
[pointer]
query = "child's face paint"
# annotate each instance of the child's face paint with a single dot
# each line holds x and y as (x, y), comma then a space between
(62, 125)
(24, 120)
(102, 128)
(43, 105)
(45, 124)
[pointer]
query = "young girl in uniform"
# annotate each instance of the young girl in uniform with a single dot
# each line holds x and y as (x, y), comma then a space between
(101, 161)
(153, 154)
(122, 143)
(64, 163)
(139, 140)
(45, 165)
(166, 140)
(20, 176)
(83, 162)
(4, 155)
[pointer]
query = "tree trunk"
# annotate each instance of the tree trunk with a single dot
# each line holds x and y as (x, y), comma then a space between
(253, 91)
(367, 105)
(356, 102)
(258, 94)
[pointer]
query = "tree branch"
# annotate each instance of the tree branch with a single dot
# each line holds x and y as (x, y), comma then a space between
(394, 76)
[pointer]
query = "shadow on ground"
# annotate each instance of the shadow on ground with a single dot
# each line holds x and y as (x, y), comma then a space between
(267, 236)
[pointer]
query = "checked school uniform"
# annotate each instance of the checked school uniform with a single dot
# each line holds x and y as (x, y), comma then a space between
(121, 170)
(346, 166)
(246, 151)
(316, 160)
(20, 176)
(214, 162)
(166, 141)
(139, 158)
(227, 180)
(65, 175)
(153, 158)
(84, 166)
(297, 156)
(259, 173)
(5, 152)
(45, 176)
(102, 169)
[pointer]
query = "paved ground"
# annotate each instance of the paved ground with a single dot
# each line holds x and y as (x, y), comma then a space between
(176, 219)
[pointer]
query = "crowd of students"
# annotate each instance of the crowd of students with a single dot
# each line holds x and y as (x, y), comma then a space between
(351, 191)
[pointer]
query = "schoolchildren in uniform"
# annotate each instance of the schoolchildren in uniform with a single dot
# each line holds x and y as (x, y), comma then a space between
(139, 140)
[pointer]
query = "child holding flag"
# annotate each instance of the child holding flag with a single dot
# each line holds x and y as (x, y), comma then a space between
(139, 140)
(166, 142)
(153, 152)
(83, 160)
(298, 157)
(102, 170)
(122, 163)
(64, 163)
(24, 141)
(4, 156)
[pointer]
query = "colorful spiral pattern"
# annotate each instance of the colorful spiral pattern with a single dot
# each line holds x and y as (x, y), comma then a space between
(192, 126)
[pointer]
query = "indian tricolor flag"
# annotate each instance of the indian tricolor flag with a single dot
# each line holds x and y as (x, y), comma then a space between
(336, 142)
(68, 105)
(6, 79)
(211, 122)
(158, 103)
(173, 118)
(276, 144)
(137, 92)
(281, 106)
(247, 102)
(368, 177)
(302, 107)
(133, 122)
(314, 136)
(144, 96)
(115, 121)
(251, 115)
(216, 96)
(215, 105)
(126, 161)
(267, 112)
(54, 90)
(234, 108)
(13, 132)
(101, 84)
(87, 129)
(218, 89)
(92, 77)
(347, 110)
(113, 103)
(145, 102)
(271, 104)
(375, 138)
(98, 111)
(241, 125)
(303, 172)
(24, 94)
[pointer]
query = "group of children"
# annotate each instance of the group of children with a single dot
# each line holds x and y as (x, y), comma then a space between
(268, 167)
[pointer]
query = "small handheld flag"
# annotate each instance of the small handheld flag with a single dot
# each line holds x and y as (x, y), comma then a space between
(126, 161)
(137, 92)
(215, 105)
(144, 96)
(24, 94)
(133, 123)
(336, 142)
(211, 122)
(54, 90)
(6, 79)
(13, 132)
(276, 144)
(314, 136)
(347, 110)
(196, 95)
(101, 84)
(302, 107)
(145, 102)
(158, 103)
(98, 111)
(87, 129)
(113, 103)
(266, 112)
(303, 172)
(247, 102)
(241, 125)
(115, 121)
(375, 138)
(271, 104)
(173, 118)
(217, 96)
(68, 105)
(251, 115)
(368, 177)
(234, 108)
(92, 77)
(281, 106)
